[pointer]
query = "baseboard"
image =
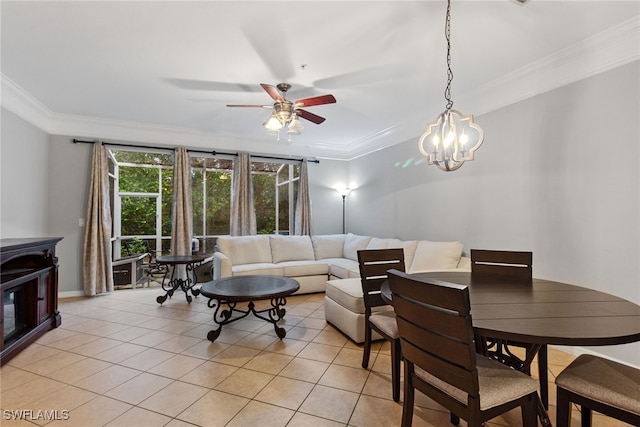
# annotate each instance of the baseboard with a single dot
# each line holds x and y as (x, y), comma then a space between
(577, 351)
(70, 294)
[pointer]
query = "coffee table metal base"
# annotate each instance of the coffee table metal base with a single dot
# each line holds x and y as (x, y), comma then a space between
(224, 295)
(225, 316)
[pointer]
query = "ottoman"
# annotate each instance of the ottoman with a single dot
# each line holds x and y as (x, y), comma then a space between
(344, 308)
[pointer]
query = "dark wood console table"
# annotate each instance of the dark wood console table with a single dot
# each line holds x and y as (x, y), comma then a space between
(29, 297)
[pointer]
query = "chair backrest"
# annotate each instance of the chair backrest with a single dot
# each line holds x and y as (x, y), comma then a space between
(374, 264)
(436, 332)
(512, 265)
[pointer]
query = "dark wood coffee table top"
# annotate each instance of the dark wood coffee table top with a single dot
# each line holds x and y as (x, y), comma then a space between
(249, 288)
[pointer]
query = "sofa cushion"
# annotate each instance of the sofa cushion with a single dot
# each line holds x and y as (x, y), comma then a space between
(352, 244)
(328, 246)
(266, 269)
(343, 268)
(436, 256)
(408, 247)
(347, 293)
(377, 243)
(245, 249)
(291, 248)
(304, 268)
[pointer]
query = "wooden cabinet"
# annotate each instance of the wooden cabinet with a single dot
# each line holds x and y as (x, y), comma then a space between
(29, 296)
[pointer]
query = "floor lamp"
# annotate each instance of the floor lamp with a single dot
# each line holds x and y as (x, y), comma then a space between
(343, 192)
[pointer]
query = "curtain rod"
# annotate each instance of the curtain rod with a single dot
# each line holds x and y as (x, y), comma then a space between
(76, 141)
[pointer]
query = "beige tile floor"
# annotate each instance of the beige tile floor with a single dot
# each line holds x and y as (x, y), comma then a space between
(125, 360)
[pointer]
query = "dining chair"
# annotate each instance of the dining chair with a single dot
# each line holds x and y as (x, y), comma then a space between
(374, 264)
(437, 341)
(515, 267)
(598, 384)
(511, 265)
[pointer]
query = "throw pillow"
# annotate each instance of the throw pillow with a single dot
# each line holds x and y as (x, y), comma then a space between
(328, 246)
(291, 248)
(352, 244)
(245, 249)
(436, 256)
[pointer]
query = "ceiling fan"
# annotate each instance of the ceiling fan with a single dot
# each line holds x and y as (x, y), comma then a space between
(285, 112)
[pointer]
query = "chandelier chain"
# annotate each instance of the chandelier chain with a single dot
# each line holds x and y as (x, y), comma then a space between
(447, 33)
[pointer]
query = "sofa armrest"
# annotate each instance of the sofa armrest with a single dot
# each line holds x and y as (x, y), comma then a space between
(221, 266)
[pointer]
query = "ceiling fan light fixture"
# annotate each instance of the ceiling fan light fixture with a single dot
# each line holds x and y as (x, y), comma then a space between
(452, 138)
(273, 123)
(286, 113)
(295, 126)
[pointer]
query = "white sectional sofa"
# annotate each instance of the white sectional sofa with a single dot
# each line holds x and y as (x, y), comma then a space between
(329, 263)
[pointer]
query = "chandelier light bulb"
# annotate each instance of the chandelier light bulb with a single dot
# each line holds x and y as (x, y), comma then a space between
(449, 139)
(463, 139)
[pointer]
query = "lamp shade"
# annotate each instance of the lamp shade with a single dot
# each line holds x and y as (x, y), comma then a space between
(295, 126)
(343, 191)
(273, 123)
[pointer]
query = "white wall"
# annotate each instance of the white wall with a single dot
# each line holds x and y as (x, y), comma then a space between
(70, 174)
(558, 174)
(326, 203)
(24, 174)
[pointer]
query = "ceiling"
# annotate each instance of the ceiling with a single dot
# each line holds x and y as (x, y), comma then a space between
(162, 72)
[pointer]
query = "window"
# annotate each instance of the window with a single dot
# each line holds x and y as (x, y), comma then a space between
(141, 196)
(142, 202)
(275, 189)
(211, 198)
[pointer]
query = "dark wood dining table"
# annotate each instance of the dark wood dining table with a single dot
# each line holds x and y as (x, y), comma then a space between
(544, 312)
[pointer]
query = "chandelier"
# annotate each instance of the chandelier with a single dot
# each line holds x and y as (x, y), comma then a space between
(452, 138)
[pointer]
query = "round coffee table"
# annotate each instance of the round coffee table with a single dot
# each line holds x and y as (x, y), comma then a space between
(231, 290)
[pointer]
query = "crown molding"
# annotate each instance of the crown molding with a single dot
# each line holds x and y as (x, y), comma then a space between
(618, 46)
(604, 51)
(612, 48)
(22, 104)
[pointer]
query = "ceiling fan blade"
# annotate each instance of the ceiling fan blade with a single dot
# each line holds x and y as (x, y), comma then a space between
(190, 84)
(268, 38)
(272, 91)
(315, 100)
(250, 105)
(314, 118)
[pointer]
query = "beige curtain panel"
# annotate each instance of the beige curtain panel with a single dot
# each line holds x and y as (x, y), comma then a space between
(97, 276)
(243, 213)
(302, 220)
(182, 209)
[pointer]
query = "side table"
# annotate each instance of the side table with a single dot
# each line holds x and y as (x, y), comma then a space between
(172, 279)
